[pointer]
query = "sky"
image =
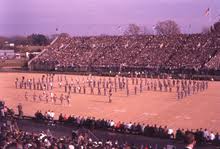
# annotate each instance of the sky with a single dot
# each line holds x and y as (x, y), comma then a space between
(95, 17)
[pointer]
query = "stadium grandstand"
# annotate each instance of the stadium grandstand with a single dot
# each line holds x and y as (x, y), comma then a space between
(192, 52)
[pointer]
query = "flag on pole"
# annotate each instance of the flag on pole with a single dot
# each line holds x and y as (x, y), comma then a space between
(207, 12)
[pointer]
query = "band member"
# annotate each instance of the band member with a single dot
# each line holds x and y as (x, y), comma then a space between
(79, 88)
(115, 82)
(174, 82)
(155, 86)
(45, 86)
(61, 98)
(110, 95)
(34, 85)
(145, 80)
(189, 89)
(165, 86)
(197, 86)
(141, 87)
(34, 96)
(21, 84)
(30, 84)
(178, 95)
(151, 85)
(132, 78)
(185, 92)
(181, 94)
(60, 84)
(55, 98)
(40, 97)
(26, 96)
(170, 88)
(94, 83)
(148, 86)
(68, 99)
(51, 96)
(74, 89)
(37, 85)
(16, 82)
(84, 89)
(92, 90)
(51, 85)
(206, 84)
(136, 80)
(41, 86)
(70, 87)
(160, 86)
(127, 89)
(47, 98)
(58, 78)
(193, 88)
(135, 90)
(25, 85)
(99, 91)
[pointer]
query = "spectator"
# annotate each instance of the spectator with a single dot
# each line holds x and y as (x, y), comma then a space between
(190, 141)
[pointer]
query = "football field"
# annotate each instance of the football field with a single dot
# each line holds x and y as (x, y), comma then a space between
(201, 110)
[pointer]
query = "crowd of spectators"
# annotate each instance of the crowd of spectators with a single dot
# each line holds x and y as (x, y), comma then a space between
(173, 52)
(12, 137)
(202, 136)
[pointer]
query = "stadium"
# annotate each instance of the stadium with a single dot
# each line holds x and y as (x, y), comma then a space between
(136, 90)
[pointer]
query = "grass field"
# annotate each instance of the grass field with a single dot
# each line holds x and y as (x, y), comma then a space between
(201, 110)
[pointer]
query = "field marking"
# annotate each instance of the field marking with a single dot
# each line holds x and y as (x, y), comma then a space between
(119, 111)
(178, 117)
(144, 115)
(214, 121)
(187, 118)
(114, 112)
(150, 114)
(93, 108)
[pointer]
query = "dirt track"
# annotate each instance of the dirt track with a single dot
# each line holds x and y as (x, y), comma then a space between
(161, 108)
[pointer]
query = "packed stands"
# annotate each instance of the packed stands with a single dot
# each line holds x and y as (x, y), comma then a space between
(195, 51)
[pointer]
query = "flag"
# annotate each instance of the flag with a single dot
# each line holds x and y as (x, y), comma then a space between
(207, 12)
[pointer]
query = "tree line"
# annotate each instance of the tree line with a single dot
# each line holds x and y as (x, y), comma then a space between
(167, 27)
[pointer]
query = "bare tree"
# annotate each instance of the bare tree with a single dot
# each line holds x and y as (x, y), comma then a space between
(133, 29)
(167, 27)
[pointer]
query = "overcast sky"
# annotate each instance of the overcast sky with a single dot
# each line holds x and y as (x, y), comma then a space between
(94, 17)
